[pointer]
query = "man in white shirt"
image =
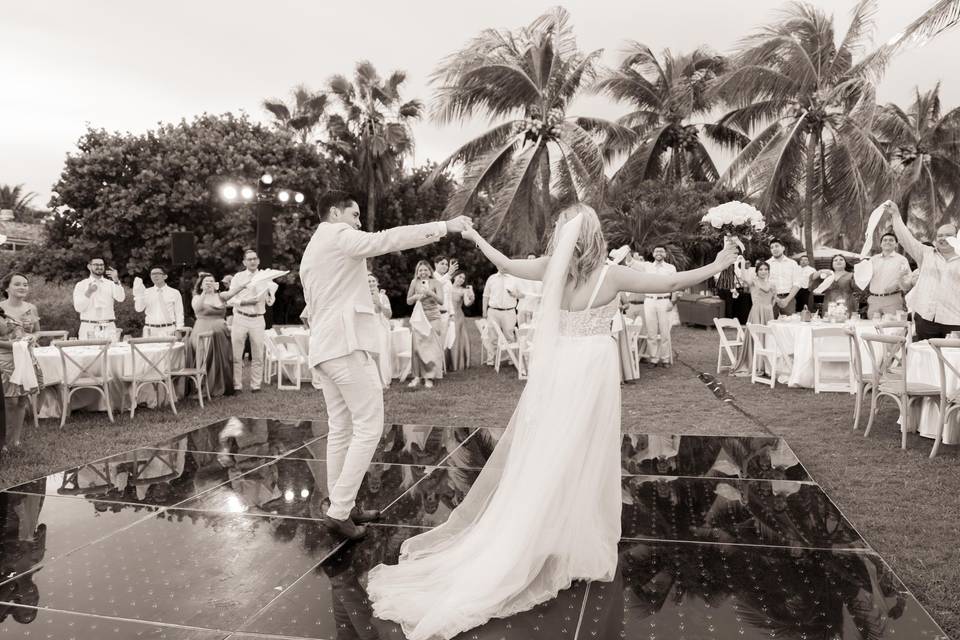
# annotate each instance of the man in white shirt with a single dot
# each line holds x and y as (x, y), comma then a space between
(162, 305)
(657, 311)
(787, 279)
(803, 295)
(888, 267)
(936, 296)
(93, 299)
(248, 322)
(530, 292)
(500, 297)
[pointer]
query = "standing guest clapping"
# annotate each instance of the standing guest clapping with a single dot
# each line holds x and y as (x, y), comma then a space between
(426, 326)
(18, 321)
(461, 296)
(161, 305)
(658, 311)
(383, 311)
(209, 307)
(500, 297)
(93, 299)
(248, 321)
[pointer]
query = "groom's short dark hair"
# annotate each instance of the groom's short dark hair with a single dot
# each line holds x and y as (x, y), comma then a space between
(333, 199)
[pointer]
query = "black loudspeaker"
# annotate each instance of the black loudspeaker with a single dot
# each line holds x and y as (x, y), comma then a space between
(264, 212)
(183, 248)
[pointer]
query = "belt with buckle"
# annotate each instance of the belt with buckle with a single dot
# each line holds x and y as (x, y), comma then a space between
(250, 315)
(98, 322)
(883, 295)
(160, 326)
(502, 309)
(782, 295)
(658, 297)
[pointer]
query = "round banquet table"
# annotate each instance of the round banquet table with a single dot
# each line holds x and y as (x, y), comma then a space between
(794, 337)
(922, 366)
(120, 363)
(400, 346)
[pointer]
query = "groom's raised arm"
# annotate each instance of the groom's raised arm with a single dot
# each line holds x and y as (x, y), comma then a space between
(362, 244)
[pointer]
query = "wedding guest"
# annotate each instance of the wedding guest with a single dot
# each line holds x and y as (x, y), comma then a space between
(634, 301)
(658, 311)
(18, 321)
(806, 273)
(305, 317)
(735, 294)
(530, 292)
(461, 296)
(444, 269)
(209, 308)
(93, 299)
(889, 266)
(162, 305)
(225, 283)
(763, 294)
(427, 353)
(500, 298)
(935, 296)
(248, 321)
(383, 311)
(787, 279)
(837, 285)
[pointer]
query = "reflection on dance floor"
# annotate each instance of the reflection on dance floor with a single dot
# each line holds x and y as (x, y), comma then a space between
(216, 534)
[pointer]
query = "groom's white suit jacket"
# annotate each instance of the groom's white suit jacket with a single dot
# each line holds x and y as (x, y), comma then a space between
(333, 272)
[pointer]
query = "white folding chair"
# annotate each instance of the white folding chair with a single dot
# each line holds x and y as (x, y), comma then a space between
(290, 360)
(512, 349)
(525, 337)
(765, 348)
(949, 400)
(155, 371)
(837, 351)
(78, 376)
(270, 360)
(726, 343)
(198, 372)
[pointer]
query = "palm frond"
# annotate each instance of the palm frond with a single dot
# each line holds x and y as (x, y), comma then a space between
(521, 175)
(629, 86)
(943, 15)
(737, 172)
(279, 110)
(856, 39)
(727, 138)
(482, 173)
(643, 163)
(496, 88)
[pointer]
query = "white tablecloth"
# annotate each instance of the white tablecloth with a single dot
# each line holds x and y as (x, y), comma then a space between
(794, 339)
(400, 346)
(120, 362)
(922, 367)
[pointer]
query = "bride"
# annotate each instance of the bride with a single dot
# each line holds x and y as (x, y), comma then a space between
(545, 510)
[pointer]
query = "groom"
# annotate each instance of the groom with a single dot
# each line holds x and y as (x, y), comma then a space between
(344, 342)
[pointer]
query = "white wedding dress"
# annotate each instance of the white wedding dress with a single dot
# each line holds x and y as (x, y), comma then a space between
(545, 510)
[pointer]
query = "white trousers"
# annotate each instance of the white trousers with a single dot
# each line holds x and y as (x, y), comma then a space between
(244, 326)
(656, 320)
(95, 331)
(507, 321)
(354, 397)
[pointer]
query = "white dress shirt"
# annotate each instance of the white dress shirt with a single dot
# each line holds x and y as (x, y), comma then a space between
(446, 286)
(785, 274)
(659, 268)
(99, 306)
(887, 271)
(936, 296)
(497, 291)
(262, 293)
(805, 273)
(163, 305)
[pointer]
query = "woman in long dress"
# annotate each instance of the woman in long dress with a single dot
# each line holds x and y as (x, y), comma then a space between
(383, 311)
(18, 320)
(461, 295)
(545, 509)
(425, 326)
(762, 294)
(842, 288)
(209, 307)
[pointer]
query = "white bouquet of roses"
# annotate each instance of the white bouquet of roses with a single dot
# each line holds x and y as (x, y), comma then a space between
(735, 219)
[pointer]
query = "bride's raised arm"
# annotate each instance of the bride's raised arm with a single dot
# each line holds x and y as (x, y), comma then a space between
(632, 281)
(526, 269)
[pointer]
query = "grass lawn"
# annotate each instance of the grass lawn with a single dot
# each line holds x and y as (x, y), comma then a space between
(906, 506)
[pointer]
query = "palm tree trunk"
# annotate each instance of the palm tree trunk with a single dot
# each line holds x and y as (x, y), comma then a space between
(543, 219)
(808, 196)
(371, 202)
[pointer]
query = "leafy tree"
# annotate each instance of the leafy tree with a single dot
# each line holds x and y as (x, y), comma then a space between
(923, 145)
(525, 80)
(666, 94)
(16, 199)
(373, 134)
(302, 117)
(121, 195)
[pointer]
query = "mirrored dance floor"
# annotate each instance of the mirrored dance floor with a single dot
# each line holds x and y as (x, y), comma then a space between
(217, 534)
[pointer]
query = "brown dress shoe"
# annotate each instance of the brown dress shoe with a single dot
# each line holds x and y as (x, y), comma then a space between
(360, 516)
(346, 528)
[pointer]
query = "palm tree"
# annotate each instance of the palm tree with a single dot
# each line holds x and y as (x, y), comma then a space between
(815, 110)
(665, 96)
(303, 116)
(15, 198)
(373, 134)
(536, 157)
(923, 146)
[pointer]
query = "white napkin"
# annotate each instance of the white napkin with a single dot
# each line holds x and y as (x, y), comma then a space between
(138, 287)
(418, 320)
(872, 224)
(863, 274)
(955, 242)
(23, 372)
(825, 284)
(263, 280)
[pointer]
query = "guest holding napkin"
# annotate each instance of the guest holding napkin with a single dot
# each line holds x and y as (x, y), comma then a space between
(837, 285)
(161, 305)
(426, 326)
(763, 293)
(461, 295)
(209, 306)
(19, 371)
(383, 311)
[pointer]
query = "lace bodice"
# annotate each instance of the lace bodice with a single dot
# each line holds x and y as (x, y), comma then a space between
(597, 321)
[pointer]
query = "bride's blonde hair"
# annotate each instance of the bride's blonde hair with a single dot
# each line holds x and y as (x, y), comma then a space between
(591, 249)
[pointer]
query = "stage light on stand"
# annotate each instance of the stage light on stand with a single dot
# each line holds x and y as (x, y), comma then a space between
(266, 178)
(298, 198)
(304, 493)
(228, 192)
(246, 192)
(284, 196)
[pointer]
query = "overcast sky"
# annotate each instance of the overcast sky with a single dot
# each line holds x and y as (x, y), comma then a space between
(128, 65)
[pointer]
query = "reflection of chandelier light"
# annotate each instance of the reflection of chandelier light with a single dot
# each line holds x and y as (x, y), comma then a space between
(288, 495)
(304, 493)
(246, 193)
(235, 504)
